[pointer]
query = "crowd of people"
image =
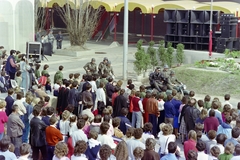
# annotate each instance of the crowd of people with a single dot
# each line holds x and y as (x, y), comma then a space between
(97, 117)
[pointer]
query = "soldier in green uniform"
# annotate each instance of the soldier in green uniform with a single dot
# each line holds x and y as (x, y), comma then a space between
(173, 82)
(102, 65)
(91, 67)
(108, 70)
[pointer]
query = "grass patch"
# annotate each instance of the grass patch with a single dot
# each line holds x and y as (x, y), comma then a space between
(209, 82)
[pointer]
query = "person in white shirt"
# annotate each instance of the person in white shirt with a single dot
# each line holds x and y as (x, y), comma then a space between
(79, 134)
(19, 103)
(25, 150)
(134, 143)
(147, 132)
(73, 125)
(201, 146)
(79, 150)
(227, 98)
(214, 153)
(103, 138)
(221, 138)
(100, 96)
(64, 124)
(166, 138)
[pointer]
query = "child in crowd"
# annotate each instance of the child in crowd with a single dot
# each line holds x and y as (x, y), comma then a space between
(93, 145)
(200, 105)
(107, 119)
(103, 138)
(147, 132)
(138, 153)
(95, 125)
(215, 152)
(25, 150)
(46, 102)
(18, 78)
(48, 87)
(228, 152)
(86, 127)
(70, 76)
(64, 124)
(37, 72)
(207, 103)
(3, 117)
(129, 134)
(211, 135)
(116, 123)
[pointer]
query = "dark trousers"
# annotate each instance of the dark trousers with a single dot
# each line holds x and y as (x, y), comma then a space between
(59, 44)
(153, 120)
(12, 76)
(50, 152)
(17, 142)
(35, 154)
(100, 107)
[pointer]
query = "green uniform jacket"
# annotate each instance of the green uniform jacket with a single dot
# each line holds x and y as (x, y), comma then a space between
(92, 67)
(58, 77)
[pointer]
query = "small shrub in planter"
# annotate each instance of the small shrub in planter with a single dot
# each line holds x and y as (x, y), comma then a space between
(162, 54)
(152, 53)
(180, 54)
(170, 51)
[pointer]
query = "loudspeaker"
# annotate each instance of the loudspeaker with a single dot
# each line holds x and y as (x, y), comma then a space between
(206, 30)
(215, 18)
(233, 21)
(226, 17)
(33, 50)
(182, 16)
(228, 31)
(197, 17)
(225, 43)
(196, 30)
(172, 29)
(170, 16)
(183, 29)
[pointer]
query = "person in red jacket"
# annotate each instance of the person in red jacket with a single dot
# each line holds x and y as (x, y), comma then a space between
(190, 144)
(211, 122)
(53, 136)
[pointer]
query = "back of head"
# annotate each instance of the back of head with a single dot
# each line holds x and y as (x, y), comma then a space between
(221, 138)
(201, 146)
(138, 153)
(36, 110)
(104, 127)
(192, 155)
(229, 148)
(148, 127)
(212, 134)
(150, 144)
(192, 135)
(235, 132)
(25, 149)
(138, 133)
(80, 123)
(105, 152)
(4, 143)
(227, 97)
(215, 151)
(172, 147)
(80, 148)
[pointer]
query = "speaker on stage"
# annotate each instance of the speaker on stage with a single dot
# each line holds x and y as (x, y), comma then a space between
(172, 29)
(197, 17)
(196, 30)
(182, 16)
(170, 16)
(215, 18)
(183, 29)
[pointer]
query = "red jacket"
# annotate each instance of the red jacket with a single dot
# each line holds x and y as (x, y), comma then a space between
(189, 145)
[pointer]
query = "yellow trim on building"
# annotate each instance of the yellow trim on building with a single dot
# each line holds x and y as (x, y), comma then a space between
(215, 8)
(157, 8)
(132, 6)
(61, 3)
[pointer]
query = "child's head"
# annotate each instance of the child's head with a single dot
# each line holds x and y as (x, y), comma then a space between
(229, 148)
(105, 111)
(192, 155)
(70, 76)
(199, 135)
(37, 65)
(110, 109)
(50, 111)
(167, 129)
(161, 126)
(191, 94)
(47, 99)
(76, 75)
(10, 91)
(201, 146)
(105, 152)
(93, 134)
(204, 113)
(80, 123)
(138, 133)
(44, 112)
(142, 88)
(61, 150)
(129, 132)
(148, 127)
(199, 127)
(2, 104)
(138, 153)
(11, 148)
(221, 138)
(25, 149)
(53, 120)
(65, 115)
(97, 119)
(80, 148)
(116, 122)
(215, 151)
(104, 127)
(207, 98)
(45, 67)
(200, 103)
(73, 119)
(19, 73)
(124, 111)
(227, 97)
(228, 119)
(106, 118)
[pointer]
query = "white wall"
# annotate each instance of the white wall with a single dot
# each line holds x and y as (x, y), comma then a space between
(16, 23)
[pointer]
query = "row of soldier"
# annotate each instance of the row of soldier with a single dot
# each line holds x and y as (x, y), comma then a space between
(104, 67)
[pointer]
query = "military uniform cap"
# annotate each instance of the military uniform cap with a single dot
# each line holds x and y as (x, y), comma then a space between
(93, 59)
(166, 66)
(105, 59)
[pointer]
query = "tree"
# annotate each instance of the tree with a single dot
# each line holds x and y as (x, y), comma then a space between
(139, 64)
(152, 53)
(162, 55)
(81, 21)
(180, 53)
(39, 15)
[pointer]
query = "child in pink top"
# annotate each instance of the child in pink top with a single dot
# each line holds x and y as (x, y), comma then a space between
(3, 117)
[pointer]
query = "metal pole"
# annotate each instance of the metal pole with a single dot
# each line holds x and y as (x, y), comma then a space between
(237, 22)
(125, 40)
(210, 33)
(152, 24)
(115, 26)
